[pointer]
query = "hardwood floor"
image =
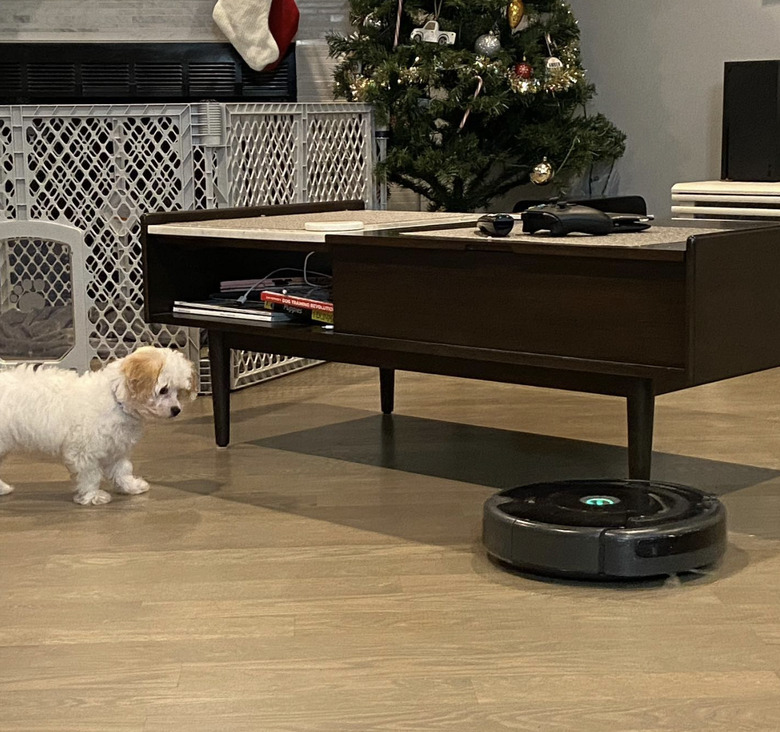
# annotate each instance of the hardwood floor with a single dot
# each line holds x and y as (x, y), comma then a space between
(325, 572)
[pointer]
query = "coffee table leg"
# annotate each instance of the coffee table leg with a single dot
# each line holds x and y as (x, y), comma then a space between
(219, 361)
(387, 390)
(640, 407)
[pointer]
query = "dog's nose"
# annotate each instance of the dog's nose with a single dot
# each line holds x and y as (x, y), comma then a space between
(175, 411)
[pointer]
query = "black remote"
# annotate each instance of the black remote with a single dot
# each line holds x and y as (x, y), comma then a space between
(495, 224)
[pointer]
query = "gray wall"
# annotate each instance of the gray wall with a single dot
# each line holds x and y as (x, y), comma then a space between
(658, 70)
(140, 20)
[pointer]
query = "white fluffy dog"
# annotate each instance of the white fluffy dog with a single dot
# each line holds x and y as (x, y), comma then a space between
(92, 421)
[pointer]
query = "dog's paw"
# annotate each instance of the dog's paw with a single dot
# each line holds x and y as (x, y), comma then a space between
(92, 498)
(5, 489)
(133, 486)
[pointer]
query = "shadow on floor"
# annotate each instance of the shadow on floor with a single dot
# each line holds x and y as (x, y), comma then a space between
(498, 458)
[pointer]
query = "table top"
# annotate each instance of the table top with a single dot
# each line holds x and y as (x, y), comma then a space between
(434, 229)
(292, 227)
(655, 236)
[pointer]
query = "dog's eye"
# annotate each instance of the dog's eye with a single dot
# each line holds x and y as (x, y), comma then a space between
(164, 390)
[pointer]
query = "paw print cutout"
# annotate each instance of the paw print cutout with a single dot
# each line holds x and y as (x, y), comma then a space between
(27, 295)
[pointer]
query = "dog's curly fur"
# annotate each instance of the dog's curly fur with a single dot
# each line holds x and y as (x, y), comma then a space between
(92, 421)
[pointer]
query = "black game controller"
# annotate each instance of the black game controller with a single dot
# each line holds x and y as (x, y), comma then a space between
(563, 218)
(495, 224)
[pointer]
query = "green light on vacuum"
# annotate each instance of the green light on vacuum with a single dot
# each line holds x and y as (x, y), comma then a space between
(600, 500)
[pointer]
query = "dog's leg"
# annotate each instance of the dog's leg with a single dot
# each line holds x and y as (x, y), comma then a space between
(5, 489)
(88, 492)
(121, 472)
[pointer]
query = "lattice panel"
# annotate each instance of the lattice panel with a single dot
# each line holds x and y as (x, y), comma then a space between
(36, 300)
(38, 270)
(101, 167)
(100, 174)
(337, 166)
(263, 166)
(200, 179)
(7, 183)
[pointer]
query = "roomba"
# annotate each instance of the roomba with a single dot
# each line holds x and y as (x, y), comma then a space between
(604, 529)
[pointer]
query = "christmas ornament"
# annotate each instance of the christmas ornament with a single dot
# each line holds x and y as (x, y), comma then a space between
(542, 173)
(488, 45)
(371, 21)
(514, 13)
(553, 64)
(524, 70)
(476, 94)
(431, 34)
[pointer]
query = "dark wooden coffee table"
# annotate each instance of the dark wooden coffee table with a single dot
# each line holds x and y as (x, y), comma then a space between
(630, 315)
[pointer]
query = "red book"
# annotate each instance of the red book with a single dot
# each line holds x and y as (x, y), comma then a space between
(296, 302)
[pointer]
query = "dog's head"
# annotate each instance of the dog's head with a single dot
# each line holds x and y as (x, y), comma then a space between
(156, 381)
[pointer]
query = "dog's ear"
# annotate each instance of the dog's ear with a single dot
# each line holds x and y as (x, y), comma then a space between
(189, 391)
(194, 378)
(141, 370)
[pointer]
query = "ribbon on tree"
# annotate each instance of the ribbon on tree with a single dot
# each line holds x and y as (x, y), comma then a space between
(480, 83)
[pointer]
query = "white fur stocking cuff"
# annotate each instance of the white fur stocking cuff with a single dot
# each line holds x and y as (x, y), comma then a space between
(245, 25)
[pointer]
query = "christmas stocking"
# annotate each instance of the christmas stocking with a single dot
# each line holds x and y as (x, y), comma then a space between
(283, 22)
(245, 25)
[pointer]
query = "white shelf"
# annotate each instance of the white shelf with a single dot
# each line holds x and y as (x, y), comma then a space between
(726, 200)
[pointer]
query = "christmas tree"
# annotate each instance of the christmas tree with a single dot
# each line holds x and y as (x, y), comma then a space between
(479, 96)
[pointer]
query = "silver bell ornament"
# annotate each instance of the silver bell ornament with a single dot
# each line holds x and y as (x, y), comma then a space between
(488, 45)
(542, 173)
(553, 64)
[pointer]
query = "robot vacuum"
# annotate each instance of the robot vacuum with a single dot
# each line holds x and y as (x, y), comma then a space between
(604, 529)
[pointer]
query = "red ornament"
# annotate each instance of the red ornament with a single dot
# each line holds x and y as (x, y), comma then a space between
(524, 70)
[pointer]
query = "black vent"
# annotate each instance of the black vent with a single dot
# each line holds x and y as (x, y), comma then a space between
(10, 78)
(160, 80)
(60, 78)
(214, 80)
(143, 72)
(102, 80)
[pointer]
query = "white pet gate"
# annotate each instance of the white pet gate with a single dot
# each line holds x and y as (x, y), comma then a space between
(43, 300)
(100, 167)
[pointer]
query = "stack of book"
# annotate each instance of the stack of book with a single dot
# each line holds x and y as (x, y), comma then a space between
(312, 306)
(229, 308)
(302, 303)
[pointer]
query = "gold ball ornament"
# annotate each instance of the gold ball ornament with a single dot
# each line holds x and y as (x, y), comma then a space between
(542, 173)
(514, 13)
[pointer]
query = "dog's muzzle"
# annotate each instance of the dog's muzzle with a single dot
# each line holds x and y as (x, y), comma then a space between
(175, 411)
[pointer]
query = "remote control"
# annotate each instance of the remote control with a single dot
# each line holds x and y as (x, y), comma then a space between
(564, 218)
(495, 224)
